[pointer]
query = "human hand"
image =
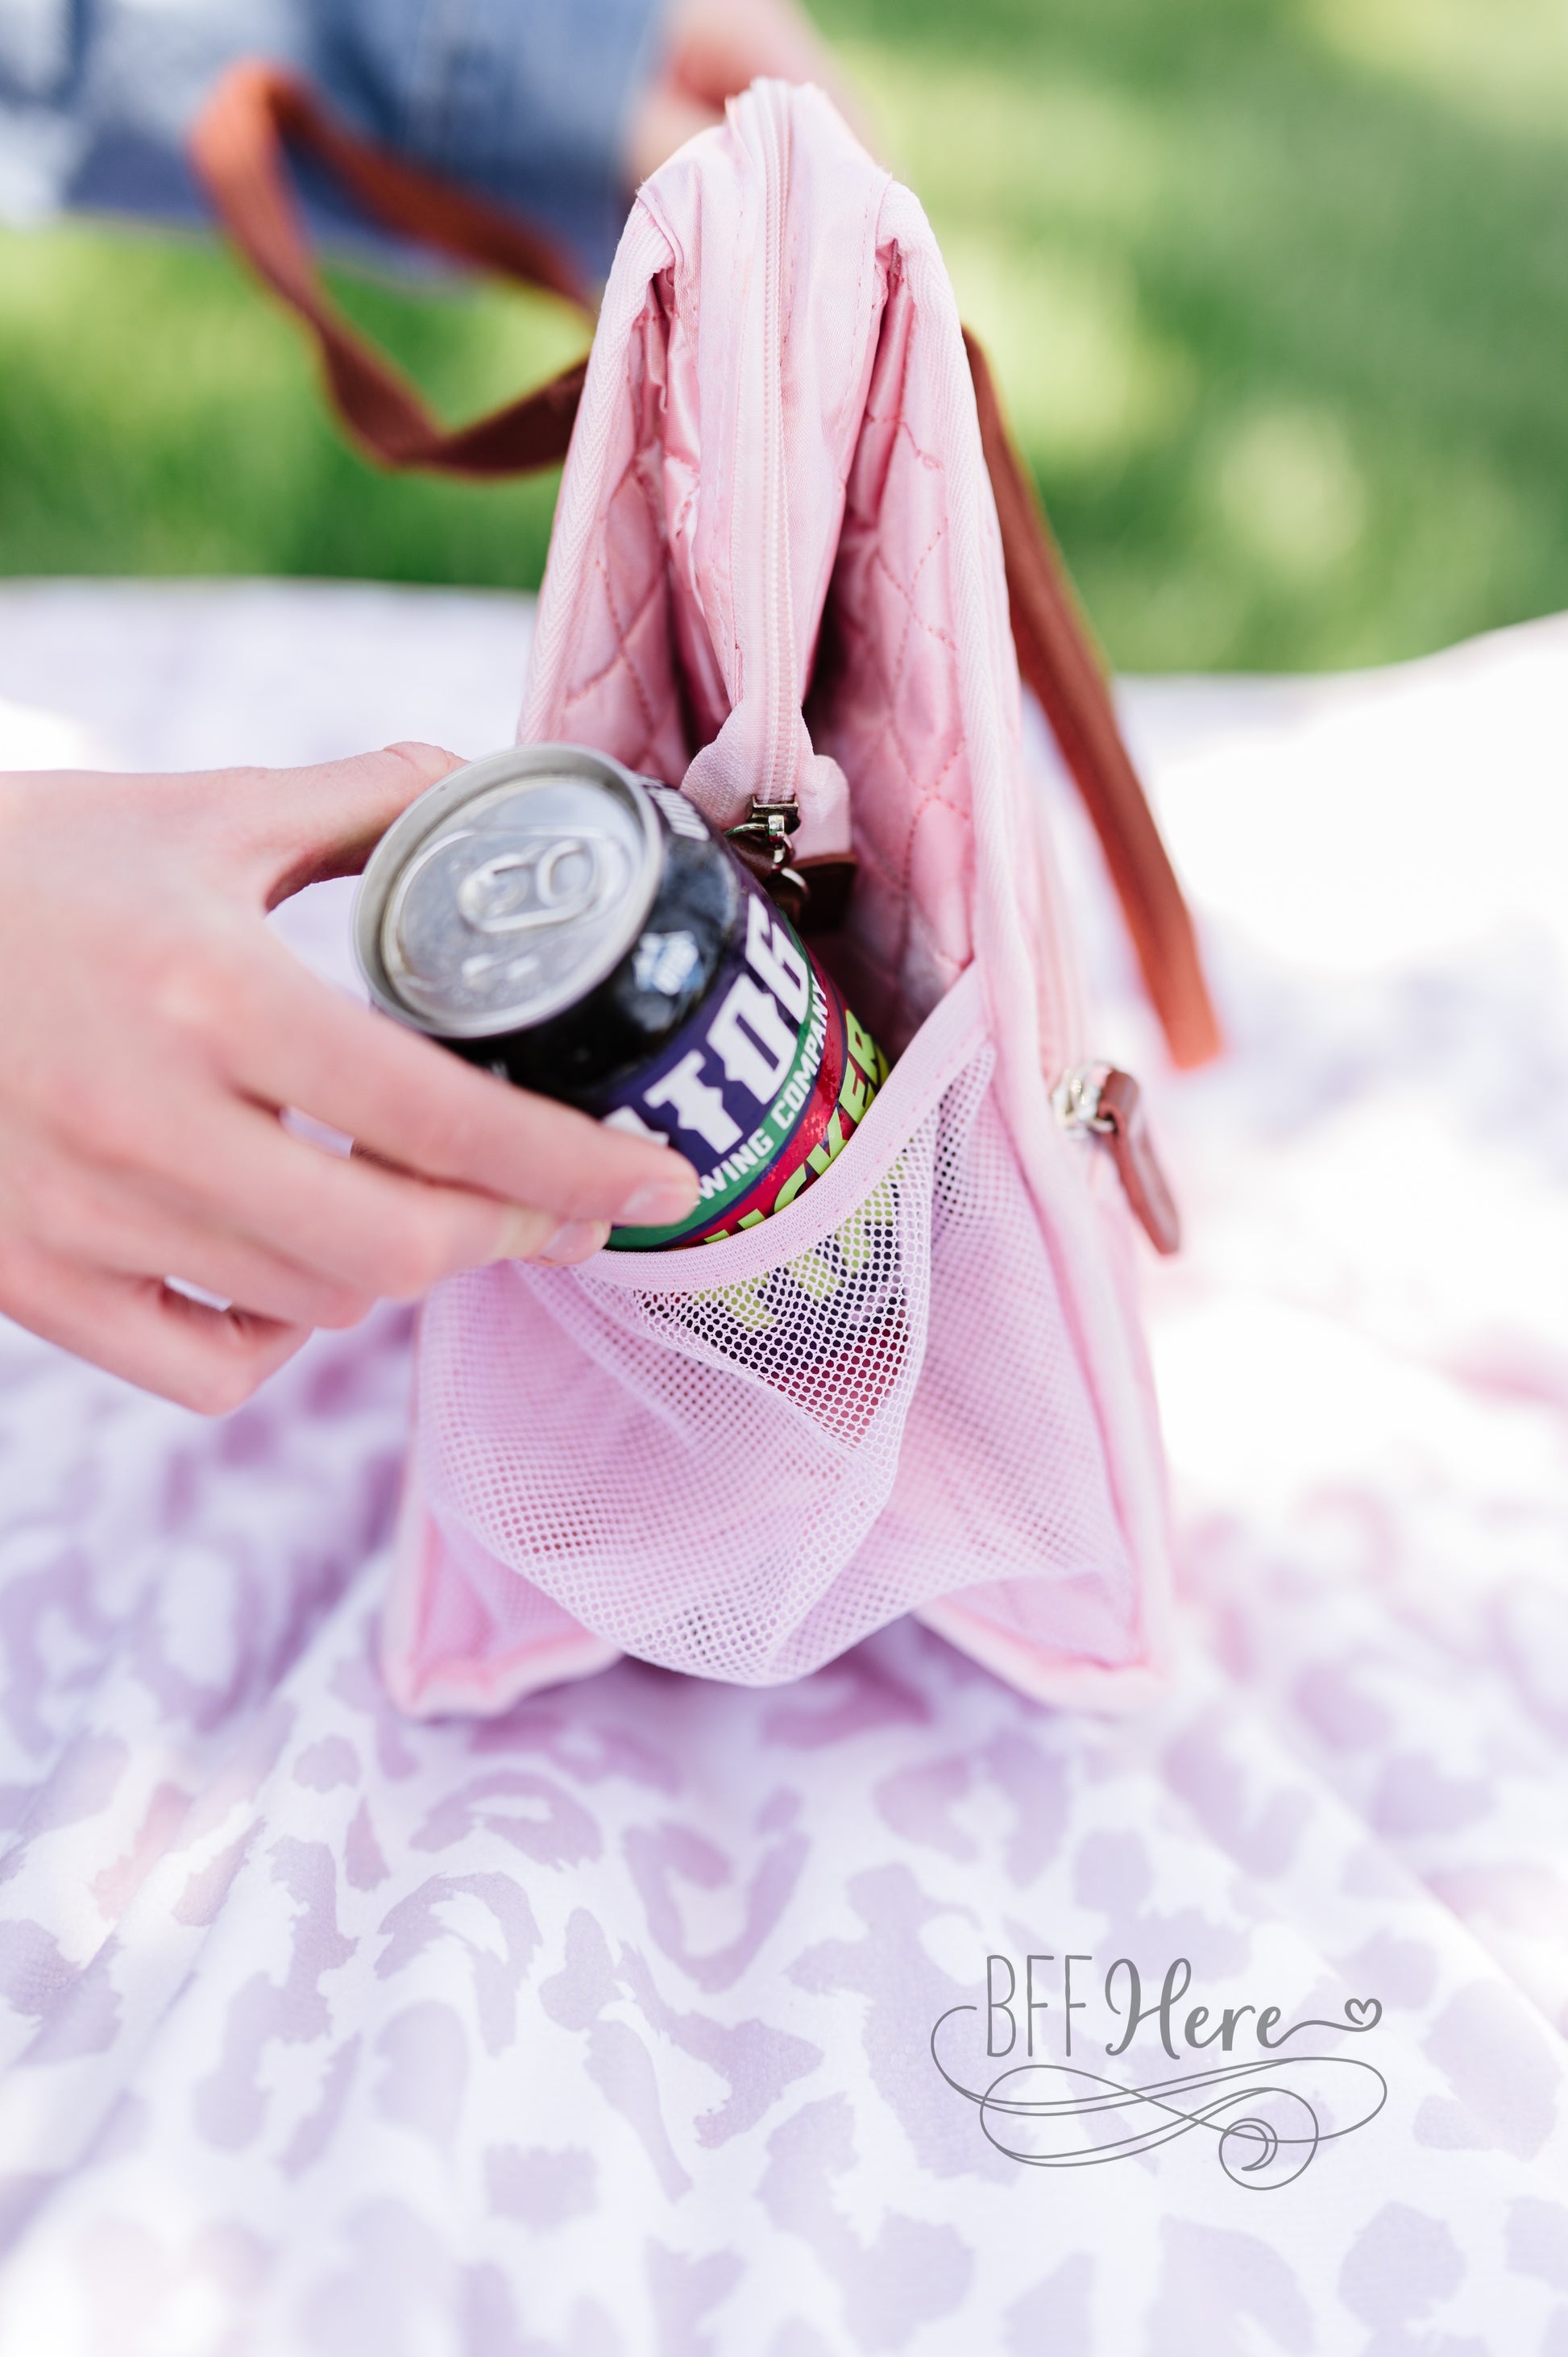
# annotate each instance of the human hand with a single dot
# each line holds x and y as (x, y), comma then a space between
(154, 1028)
(714, 48)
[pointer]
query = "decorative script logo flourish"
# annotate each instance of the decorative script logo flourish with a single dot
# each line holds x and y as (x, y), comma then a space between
(1268, 2116)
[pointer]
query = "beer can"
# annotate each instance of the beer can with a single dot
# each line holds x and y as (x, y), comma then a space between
(582, 931)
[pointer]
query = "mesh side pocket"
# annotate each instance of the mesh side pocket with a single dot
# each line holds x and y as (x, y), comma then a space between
(464, 1632)
(739, 1478)
(687, 1473)
(1003, 1504)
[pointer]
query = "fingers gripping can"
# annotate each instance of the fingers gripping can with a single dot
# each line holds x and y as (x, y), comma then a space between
(583, 932)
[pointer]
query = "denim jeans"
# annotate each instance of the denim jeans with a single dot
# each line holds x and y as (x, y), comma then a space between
(523, 101)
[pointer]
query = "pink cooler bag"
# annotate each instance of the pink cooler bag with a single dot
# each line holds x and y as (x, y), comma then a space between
(777, 573)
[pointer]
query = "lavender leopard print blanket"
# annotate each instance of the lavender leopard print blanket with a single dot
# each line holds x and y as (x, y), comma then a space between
(664, 2019)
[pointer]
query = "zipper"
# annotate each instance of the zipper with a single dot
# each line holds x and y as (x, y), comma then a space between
(1098, 1100)
(777, 786)
(814, 895)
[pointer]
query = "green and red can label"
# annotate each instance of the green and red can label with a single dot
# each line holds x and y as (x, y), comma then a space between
(759, 1088)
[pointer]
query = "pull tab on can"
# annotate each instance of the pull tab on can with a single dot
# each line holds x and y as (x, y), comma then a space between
(1109, 1105)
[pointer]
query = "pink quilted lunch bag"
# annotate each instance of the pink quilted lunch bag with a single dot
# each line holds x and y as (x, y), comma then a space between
(778, 574)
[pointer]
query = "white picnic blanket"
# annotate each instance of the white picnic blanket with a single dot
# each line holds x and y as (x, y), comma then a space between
(613, 2028)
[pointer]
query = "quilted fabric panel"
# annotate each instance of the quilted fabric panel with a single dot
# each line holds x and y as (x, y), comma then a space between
(620, 689)
(888, 705)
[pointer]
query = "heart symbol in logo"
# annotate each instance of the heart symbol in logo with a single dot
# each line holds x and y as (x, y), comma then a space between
(1363, 2012)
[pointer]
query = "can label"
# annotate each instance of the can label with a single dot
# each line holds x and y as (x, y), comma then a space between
(841, 1304)
(759, 1088)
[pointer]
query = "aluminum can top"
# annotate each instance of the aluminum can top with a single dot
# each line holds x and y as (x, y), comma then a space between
(508, 891)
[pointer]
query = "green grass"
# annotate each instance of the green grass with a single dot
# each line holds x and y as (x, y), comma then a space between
(1277, 291)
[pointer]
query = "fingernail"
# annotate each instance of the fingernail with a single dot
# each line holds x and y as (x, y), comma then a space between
(578, 1240)
(660, 1205)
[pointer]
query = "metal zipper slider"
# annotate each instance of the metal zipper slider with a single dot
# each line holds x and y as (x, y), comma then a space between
(1109, 1105)
(762, 838)
(813, 894)
(762, 842)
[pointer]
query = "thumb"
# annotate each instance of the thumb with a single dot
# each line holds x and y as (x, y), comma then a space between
(304, 825)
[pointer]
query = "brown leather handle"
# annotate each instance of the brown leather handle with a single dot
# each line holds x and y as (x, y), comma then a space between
(237, 148)
(1056, 658)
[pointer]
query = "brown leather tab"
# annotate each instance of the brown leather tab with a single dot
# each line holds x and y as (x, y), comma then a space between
(1057, 660)
(1120, 1118)
(236, 147)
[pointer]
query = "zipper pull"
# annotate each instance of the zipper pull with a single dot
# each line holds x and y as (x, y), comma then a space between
(762, 838)
(1109, 1105)
(814, 893)
(761, 842)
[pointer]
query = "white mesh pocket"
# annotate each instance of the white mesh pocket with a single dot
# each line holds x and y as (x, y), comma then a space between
(1002, 1508)
(687, 1473)
(738, 1460)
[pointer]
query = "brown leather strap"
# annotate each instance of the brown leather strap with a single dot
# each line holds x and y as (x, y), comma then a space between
(236, 147)
(1056, 658)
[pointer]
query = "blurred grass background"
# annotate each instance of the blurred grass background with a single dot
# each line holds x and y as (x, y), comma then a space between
(1277, 291)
